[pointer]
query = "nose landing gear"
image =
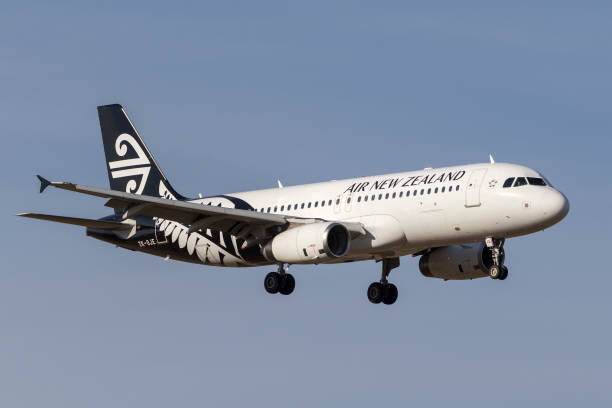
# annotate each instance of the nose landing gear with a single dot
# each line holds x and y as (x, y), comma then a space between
(498, 270)
(384, 291)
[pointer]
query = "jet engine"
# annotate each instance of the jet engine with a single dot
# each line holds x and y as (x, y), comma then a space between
(309, 243)
(457, 262)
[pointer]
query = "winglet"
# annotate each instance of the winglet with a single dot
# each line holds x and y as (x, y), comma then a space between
(44, 183)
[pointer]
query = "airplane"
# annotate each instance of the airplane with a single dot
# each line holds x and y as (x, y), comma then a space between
(456, 219)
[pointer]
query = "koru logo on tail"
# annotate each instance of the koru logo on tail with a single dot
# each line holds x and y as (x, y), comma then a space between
(139, 166)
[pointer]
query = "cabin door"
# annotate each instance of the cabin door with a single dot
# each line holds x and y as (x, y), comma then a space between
(347, 201)
(338, 204)
(472, 191)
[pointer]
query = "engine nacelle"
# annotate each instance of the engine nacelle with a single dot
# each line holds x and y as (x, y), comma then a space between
(457, 262)
(309, 243)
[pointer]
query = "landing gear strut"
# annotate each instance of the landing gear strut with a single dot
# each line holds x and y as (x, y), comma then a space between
(497, 270)
(383, 291)
(279, 282)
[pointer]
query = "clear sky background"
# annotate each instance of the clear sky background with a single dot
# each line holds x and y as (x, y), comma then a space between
(230, 96)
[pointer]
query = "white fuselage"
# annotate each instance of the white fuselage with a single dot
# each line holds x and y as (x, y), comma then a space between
(404, 213)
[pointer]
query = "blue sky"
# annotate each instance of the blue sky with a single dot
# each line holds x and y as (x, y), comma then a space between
(230, 96)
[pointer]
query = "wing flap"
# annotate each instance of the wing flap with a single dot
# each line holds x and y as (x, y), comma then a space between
(83, 222)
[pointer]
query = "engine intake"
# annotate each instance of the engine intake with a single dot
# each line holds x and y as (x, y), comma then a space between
(309, 243)
(458, 262)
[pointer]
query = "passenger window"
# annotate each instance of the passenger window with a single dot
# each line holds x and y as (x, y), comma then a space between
(456, 188)
(373, 197)
(380, 196)
(295, 207)
(387, 196)
(436, 190)
(268, 209)
(323, 203)
(407, 193)
(393, 196)
(443, 188)
(316, 203)
(365, 198)
(348, 200)
(302, 206)
(337, 201)
(536, 181)
(422, 191)
(309, 204)
(508, 182)
(401, 194)
(282, 208)
(520, 181)
(359, 199)
(429, 191)
(275, 209)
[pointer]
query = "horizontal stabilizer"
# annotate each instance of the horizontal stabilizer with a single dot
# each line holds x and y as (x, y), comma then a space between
(83, 222)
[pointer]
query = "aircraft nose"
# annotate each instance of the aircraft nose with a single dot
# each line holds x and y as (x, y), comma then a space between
(557, 206)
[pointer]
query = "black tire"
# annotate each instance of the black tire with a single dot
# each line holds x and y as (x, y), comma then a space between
(389, 294)
(375, 292)
(287, 284)
(495, 272)
(504, 273)
(272, 282)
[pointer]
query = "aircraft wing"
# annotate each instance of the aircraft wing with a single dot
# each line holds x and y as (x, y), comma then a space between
(180, 211)
(197, 216)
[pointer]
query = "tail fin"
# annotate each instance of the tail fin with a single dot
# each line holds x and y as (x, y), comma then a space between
(131, 166)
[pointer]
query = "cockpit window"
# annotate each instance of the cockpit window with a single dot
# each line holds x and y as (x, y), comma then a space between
(520, 181)
(508, 182)
(536, 181)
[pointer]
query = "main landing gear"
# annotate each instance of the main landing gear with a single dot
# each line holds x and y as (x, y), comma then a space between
(279, 282)
(497, 270)
(384, 291)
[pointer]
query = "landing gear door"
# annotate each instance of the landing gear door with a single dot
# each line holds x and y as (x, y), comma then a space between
(472, 192)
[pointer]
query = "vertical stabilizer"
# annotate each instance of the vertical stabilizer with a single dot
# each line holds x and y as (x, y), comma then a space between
(131, 166)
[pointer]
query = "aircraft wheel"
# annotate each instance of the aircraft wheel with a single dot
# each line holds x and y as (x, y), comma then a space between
(287, 284)
(389, 294)
(375, 292)
(272, 282)
(504, 273)
(495, 272)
